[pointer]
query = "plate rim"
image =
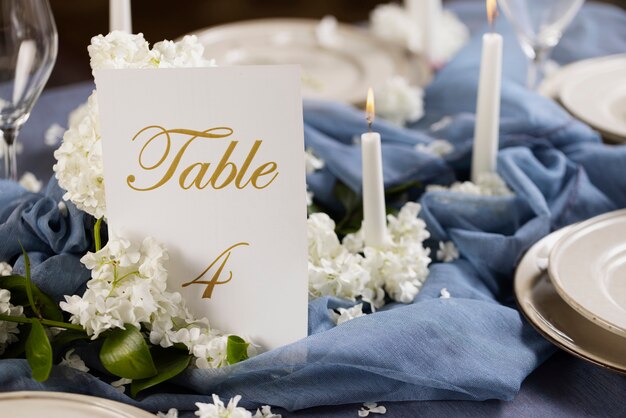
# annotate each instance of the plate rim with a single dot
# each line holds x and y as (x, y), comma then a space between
(528, 315)
(562, 74)
(410, 66)
(608, 325)
(569, 87)
(128, 410)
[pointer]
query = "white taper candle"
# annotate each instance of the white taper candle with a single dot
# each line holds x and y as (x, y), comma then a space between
(120, 17)
(425, 16)
(486, 132)
(374, 211)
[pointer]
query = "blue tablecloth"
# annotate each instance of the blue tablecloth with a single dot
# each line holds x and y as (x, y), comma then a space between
(560, 174)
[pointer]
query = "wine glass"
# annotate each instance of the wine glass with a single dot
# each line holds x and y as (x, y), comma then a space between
(28, 50)
(539, 25)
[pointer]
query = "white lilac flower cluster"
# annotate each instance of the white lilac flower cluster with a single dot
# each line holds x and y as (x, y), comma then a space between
(217, 409)
(487, 184)
(333, 270)
(399, 102)
(8, 330)
(129, 287)
(79, 158)
(123, 50)
(351, 270)
(393, 23)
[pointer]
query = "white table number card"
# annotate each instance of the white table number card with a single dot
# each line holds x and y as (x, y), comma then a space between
(210, 162)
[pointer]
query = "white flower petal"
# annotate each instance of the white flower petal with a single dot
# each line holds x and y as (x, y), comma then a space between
(74, 361)
(30, 182)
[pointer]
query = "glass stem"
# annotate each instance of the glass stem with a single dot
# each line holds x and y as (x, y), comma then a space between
(10, 157)
(536, 67)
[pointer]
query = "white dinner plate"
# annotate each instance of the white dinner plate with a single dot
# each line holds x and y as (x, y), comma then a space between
(64, 405)
(553, 83)
(588, 269)
(338, 64)
(556, 320)
(596, 94)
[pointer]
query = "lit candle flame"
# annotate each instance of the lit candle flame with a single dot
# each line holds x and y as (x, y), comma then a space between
(492, 11)
(370, 111)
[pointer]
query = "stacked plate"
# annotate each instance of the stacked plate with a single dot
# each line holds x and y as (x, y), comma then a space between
(594, 91)
(572, 287)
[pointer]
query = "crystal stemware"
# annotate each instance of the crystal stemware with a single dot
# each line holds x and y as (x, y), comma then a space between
(539, 25)
(28, 50)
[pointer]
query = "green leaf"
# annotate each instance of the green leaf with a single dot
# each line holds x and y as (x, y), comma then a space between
(39, 352)
(349, 200)
(236, 349)
(48, 307)
(19, 288)
(126, 354)
(170, 362)
(353, 205)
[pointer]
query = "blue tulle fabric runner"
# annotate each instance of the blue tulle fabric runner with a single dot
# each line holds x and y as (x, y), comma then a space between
(473, 346)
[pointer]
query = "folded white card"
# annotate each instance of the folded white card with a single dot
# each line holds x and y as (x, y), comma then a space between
(210, 162)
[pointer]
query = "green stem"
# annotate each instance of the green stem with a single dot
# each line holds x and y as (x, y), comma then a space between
(116, 281)
(59, 324)
(96, 234)
(48, 322)
(29, 283)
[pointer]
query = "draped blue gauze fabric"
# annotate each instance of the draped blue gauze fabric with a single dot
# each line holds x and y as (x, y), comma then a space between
(474, 345)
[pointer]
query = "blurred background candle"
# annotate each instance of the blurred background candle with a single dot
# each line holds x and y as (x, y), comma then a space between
(486, 132)
(374, 212)
(426, 16)
(120, 17)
